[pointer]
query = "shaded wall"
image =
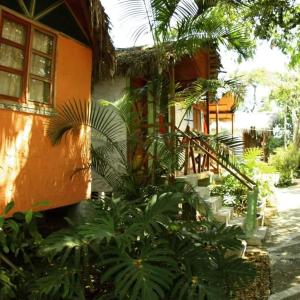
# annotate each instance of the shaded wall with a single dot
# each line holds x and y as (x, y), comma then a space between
(31, 169)
(109, 90)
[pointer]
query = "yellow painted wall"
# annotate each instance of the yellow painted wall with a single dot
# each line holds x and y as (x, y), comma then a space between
(31, 169)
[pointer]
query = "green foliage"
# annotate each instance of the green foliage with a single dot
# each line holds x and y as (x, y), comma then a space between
(142, 250)
(253, 164)
(276, 21)
(19, 242)
(234, 193)
(286, 162)
(198, 24)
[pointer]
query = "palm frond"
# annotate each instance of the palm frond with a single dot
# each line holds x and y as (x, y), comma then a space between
(77, 113)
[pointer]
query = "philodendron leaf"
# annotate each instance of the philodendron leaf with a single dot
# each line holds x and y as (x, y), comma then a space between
(9, 206)
(28, 216)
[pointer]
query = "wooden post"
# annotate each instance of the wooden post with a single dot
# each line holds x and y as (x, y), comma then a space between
(217, 118)
(217, 130)
(207, 114)
(172, 112)
(207, 126)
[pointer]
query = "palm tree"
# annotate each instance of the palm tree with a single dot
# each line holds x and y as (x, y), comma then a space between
(184, 26)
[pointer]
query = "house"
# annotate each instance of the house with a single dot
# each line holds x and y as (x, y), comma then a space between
(222, 114)
(135, 67)
(50, 51)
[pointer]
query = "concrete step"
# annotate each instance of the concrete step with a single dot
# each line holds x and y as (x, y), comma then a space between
(199, 179)
(205, 178)
(240, 252)
(214, 203)
(217, 179)
(191, 179)
(258, 237)
(237, 222)
(203, 192)
(241, 220)
(224, 215)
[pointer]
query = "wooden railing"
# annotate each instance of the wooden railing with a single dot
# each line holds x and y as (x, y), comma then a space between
(224, 157)
(201, 156)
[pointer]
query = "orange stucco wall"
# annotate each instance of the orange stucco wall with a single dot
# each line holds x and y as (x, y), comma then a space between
(33, 170)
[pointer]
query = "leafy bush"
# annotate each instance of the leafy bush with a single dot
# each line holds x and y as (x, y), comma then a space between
(142, 251)
(142, 245)
(286, 162)
(235, 193)
(19, 242)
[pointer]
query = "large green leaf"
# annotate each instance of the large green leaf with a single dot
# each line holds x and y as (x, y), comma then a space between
(146, 276)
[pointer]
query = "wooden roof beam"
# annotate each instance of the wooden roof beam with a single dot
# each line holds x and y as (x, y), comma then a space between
(24, 8)
(48, 10)
(32, 8)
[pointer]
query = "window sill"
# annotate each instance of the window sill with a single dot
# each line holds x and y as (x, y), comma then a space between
(28, 108)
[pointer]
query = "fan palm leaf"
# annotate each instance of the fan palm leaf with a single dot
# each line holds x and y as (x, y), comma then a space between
(74, 114)
(109, 152)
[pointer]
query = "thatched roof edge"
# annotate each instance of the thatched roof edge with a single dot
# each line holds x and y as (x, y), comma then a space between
(103, 49)
(142, 61)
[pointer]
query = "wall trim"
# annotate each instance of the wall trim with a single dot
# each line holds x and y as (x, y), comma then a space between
(29, 109)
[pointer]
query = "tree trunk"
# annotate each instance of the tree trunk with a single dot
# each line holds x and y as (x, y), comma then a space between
(285, 129)
(297, 132)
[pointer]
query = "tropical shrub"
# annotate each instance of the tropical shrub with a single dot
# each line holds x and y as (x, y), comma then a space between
(19, 242)
(235, 193)
(286, 162)
(139, 244)
(143, 251)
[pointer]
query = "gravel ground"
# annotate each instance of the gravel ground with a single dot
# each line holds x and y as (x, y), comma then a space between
(260, 288)
(284, 245)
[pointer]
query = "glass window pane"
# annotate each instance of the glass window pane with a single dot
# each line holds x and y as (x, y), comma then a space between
(41, 66)
(39, 91)
(13, 31)
(11, 84)
(42, 42)
(11, 57)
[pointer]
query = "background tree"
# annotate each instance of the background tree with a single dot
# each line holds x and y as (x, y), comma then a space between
(283, 99)
(276, 21)
(287, 96)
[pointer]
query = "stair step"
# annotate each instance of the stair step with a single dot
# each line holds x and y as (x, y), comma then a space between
(217, 179)
(203, 192)
(204, 181)
(224, 215)
(214, 203)
(240, 252)
(241, 220)
(191, 179)
(237, 222)
(258, 237)
(195, 180)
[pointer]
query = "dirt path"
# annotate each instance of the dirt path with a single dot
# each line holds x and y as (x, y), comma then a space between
(284, 245)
